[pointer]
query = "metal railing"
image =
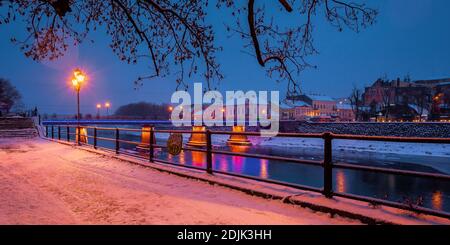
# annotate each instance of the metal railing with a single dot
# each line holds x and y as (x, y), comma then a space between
(327, 163)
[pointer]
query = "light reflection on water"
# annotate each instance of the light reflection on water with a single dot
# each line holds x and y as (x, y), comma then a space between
(340, 179)
(437, 200)
(264, 173)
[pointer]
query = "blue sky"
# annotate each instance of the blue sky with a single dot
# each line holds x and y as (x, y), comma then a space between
(410, 37)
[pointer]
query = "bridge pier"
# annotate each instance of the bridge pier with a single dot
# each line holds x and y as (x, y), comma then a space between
(238, 140)
(197, 139)
(81, 135)
(147, 130)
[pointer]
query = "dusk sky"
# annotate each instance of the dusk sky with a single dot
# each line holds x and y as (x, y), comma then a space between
(410, 37)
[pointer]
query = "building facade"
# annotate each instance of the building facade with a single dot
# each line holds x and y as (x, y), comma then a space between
(345, 112)
(315, 108)
(408, 100)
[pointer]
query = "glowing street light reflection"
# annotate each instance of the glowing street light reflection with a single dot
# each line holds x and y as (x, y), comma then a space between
(436, 200)
(340, 178)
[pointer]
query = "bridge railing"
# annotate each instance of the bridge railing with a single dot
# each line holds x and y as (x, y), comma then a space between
(72, 133)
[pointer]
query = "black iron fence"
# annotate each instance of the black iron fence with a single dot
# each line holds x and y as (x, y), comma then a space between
(326, 164)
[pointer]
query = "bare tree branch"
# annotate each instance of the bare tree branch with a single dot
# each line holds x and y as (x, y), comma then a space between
(175, 35)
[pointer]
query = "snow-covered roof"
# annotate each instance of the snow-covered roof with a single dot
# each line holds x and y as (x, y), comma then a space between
(343, 106)
(320, 97)
(417, 109)
(300, 103)
(285, 106)
(291, 104)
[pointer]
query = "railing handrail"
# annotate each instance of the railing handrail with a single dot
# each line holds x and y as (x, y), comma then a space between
(327, 164)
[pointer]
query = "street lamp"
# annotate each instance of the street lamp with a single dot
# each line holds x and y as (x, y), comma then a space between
(78, 78)
(107, 105)
(99, 106)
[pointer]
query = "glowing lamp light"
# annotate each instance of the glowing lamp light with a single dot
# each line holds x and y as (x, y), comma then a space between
(107, 105)
(170, 108)
(79, 76)
(99, 106)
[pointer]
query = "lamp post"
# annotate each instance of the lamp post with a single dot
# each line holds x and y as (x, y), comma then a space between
(77, 79)
(99, 106)
(107, 105)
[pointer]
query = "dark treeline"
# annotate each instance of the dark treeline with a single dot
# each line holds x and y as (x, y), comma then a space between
(10, 98)
(144, 110)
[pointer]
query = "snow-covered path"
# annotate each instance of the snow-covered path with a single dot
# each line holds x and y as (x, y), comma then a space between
(43, 182)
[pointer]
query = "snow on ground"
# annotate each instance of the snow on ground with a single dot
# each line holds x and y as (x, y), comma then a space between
(43, 182)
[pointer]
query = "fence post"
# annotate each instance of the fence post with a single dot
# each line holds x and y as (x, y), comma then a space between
(59, 132)
(52, 131)
(151, 153)
(117, 141)
(46, 131)
(78, 135)
(208, 152)
(68, 133)
(327, 166)
(95, 138)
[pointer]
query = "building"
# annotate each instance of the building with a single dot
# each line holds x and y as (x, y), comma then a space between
(310, 108)
(321, 105)
(287, 112)
(345, 112)
(440, 106)
(407, 100)
(304, 111)
(380, 92)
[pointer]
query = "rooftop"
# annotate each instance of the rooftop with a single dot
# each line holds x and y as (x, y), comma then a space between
(290, 104)
(343, 106)
(320, 97)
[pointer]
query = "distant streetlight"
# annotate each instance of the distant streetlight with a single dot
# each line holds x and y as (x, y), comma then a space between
(107, 105)
(99, 106)
(77, 80)
(170, 108)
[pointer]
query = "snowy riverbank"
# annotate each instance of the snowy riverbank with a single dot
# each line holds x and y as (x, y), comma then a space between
(412, 149)
(43, 182)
